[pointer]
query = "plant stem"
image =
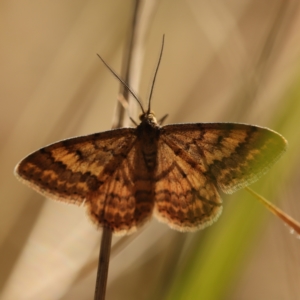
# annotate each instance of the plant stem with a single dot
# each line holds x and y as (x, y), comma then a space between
(103, 264)
(288, 220)
(132, 64)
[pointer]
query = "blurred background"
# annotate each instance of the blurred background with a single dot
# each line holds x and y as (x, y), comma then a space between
(223, 61)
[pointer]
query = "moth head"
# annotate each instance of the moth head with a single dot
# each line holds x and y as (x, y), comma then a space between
(148, 117)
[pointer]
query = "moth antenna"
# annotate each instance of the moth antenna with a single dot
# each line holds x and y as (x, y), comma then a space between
(124, 103)
(123, 82)
(154, 78)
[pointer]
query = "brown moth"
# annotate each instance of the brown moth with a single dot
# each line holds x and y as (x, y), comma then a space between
(125, 175)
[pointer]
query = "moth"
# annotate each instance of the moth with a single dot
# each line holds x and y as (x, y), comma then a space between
(175, 172)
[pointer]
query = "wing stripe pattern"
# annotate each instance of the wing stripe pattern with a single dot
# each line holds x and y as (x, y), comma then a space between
(234, 155)
(184, 197)
(123, 175)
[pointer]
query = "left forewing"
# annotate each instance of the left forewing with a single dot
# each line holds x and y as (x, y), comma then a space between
(71, 169)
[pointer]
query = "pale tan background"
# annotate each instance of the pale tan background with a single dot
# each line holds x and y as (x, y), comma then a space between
(234, 61)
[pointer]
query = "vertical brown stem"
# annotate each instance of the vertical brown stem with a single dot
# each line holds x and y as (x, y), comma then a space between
(104, 254)
(103, 264)
(141, 18)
